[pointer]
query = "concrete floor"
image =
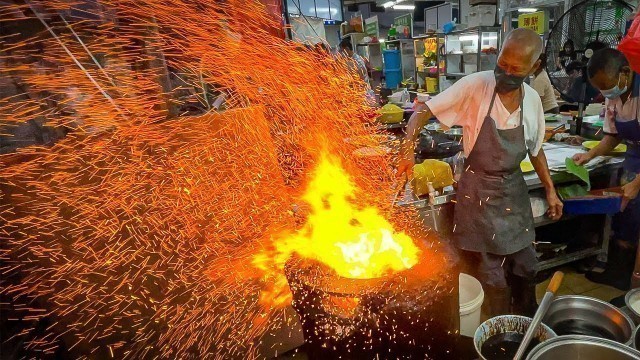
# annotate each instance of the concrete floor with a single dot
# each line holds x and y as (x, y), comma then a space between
(578, 284)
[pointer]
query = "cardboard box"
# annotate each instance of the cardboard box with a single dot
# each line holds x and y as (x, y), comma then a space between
(482, 15)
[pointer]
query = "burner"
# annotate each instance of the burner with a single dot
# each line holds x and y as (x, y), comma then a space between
(412, 314)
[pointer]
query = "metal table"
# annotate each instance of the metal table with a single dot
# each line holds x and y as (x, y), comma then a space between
(442, 213)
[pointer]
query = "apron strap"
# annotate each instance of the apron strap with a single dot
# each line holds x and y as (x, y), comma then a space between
(522, 106)
(493, 99)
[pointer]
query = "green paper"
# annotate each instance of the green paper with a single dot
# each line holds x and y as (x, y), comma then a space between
(580, 171)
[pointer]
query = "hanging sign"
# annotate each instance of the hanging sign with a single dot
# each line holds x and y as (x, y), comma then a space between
(371, 26)
(535, 21)
(404, 26)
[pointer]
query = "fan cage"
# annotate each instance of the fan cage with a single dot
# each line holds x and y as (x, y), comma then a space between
(589, 25)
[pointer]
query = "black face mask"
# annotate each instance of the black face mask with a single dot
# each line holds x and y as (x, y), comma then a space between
(506, 83)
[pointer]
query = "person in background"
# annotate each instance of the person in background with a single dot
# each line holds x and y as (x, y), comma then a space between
(567, 55)
(610, 73)
(503, 121)
(542, 85)
(574, 92)
(361, 65)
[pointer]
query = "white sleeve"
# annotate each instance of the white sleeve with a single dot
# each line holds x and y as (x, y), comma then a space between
(450, 106)
(549, 93)
(534, 143)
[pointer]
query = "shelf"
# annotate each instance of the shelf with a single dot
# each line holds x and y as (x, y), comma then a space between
(349, 34)
(565, 258)
(369, 44)
(397, 40)
(456, 74)
(476, 30)
(433, 36)
(545, 220)
(473, 53)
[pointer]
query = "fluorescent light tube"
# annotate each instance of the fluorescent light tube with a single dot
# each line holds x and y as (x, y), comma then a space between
(404, 7)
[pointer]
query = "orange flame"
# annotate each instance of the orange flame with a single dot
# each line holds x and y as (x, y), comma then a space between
(355, 242)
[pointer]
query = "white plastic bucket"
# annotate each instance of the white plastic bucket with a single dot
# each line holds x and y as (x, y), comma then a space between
(471, 299)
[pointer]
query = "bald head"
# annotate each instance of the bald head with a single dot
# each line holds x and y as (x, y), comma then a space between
(520, 54)
(526, 42)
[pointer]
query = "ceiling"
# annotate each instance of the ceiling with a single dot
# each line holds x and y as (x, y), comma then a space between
(378, 2)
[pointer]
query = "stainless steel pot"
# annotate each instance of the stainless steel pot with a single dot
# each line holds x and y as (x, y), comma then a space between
(632, 300)
(454, 133)
(582, 315)
(583, 348)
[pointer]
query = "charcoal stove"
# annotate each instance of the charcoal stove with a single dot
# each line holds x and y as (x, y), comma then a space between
(412, 314)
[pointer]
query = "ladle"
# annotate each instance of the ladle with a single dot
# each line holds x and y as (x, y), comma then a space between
(556, 280)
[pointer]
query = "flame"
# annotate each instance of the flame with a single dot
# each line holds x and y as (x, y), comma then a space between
(356, 243)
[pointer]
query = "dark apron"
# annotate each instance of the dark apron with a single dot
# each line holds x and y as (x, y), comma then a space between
(493, 212)
(629, 133)
(626, 225)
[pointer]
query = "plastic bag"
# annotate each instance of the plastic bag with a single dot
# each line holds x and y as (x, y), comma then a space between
(630, 44)
(437, 172)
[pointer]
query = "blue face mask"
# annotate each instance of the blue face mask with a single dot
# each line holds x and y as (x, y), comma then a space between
(615, 92)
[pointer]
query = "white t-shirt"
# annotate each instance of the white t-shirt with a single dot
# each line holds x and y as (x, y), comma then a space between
(542, 85)
(629, 111)
(466, 104)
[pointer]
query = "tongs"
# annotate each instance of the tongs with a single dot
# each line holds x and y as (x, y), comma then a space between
(398, 186)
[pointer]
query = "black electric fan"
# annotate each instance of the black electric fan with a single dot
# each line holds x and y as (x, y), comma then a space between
(589, 26)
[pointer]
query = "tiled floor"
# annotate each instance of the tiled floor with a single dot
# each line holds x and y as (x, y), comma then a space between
(577, 284)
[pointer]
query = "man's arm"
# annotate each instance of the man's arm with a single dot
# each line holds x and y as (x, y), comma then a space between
(542, 169)
(417, 121)
(448, 107)
(608, 143)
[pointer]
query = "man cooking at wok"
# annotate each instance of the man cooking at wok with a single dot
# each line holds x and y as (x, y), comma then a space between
(502, 120)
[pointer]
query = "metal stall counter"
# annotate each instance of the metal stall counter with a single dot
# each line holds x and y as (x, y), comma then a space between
(436, 210)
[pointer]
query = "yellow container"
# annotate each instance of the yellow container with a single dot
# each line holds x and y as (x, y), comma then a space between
(431, 85)
(391, 114)
(435, 171)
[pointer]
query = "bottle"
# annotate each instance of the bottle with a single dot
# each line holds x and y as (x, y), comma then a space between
(392, 33)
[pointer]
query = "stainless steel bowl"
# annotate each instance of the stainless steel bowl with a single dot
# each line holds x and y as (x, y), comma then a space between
(633, 298)
(583, 348)
(582, 315)
(454, 133)
(507, 324)
(636, 338)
